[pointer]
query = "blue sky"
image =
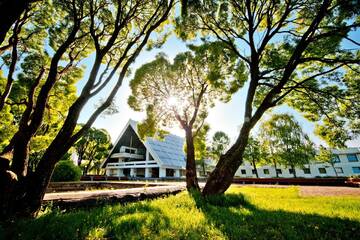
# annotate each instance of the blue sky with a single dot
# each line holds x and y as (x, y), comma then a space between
(225, 117)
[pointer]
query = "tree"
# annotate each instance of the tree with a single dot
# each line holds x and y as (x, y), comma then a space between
(91, 148)
(200, 148)
(10, 11)
(254, 153)
(269, 139)
(295, 54)
(220, 142)
(182, 92)
(291, 146)
(114, 32)
(327, 156)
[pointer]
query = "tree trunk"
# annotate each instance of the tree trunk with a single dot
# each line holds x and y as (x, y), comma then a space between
(203, 166)
(256, 171)
(10, 11)
(294, 172)
(191, 178)
(221, 178)
(275, 166)
(333, 166)
(87, 167)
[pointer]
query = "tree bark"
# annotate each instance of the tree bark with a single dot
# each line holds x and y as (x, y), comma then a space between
(275, 165)
(221, 178)
(191, 178)
(10, 11)
(294, 172)
(333, 166)
(256, 171)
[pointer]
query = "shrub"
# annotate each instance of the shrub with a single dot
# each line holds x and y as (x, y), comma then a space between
(66, 171)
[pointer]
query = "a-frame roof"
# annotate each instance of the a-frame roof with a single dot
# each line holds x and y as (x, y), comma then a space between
(168, 152)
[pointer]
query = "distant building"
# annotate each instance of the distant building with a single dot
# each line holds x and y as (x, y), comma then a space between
(347, 163)
(152, 158)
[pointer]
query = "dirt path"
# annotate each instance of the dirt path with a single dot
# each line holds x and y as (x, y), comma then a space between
(328, 191)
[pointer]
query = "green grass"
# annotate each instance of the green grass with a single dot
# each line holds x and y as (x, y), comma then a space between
(243, 213)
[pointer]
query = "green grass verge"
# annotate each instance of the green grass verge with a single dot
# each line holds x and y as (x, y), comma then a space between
(243, 213)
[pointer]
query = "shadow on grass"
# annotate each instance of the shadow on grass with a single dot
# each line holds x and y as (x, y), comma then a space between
(237, 218)
(111, 222)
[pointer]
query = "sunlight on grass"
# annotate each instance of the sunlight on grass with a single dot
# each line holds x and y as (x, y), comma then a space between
(246, 213)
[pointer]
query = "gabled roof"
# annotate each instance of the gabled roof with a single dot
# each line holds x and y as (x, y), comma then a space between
(168, 152)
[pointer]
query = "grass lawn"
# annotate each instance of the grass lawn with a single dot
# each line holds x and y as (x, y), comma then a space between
(243, 213)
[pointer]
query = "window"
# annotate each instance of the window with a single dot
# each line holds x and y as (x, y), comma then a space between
(307, 171)
(291, 171)
(339, 170)
(243, 171)
(336, 159)
(266, 171)
(278, 171)
(356, 169)
(352, 157)
(322, 170)
(170, 172)
(253, 171)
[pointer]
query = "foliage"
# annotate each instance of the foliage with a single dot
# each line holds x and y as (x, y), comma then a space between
(183, 91)
(326, 155)
(242, 213)
(254, 153)
(66, 171)
(43, 57)
(299, 53)
(286, 141)
(92, 148)
(219, 144)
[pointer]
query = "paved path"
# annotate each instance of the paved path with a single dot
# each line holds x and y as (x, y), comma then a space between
(118, 193)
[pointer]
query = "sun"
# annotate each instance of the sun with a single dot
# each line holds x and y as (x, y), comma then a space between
(172, 101)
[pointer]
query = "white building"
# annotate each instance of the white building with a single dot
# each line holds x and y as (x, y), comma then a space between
(132, 157)
(347, 163)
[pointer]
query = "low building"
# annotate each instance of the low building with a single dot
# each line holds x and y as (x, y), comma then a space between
(152, 158)
(347, 163)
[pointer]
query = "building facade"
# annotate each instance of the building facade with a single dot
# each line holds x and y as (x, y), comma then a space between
(346, 163)
(134, 158)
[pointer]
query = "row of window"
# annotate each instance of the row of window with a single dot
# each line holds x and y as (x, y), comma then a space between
(322, 170)
(350, 158)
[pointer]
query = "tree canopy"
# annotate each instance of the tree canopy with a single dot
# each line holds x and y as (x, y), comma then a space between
(183, 91)
(299, 53)
(92, 148)
(219, 144)
(287, 141)
(42, 57)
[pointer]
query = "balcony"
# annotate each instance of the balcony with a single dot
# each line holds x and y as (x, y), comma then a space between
(133, 164)
(129, 152)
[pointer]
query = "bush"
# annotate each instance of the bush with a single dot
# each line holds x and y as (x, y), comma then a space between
(66, 171)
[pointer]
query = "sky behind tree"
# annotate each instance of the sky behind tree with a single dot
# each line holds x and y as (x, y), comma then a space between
(226, 117)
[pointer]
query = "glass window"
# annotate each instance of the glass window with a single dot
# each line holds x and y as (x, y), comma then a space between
(170, 172)
(336, 159)
(307, 171)
(243, 171)
(339, 170)
(322, 170)
(253, 171)
(356, 169)
(352, 157)
(278, 171)
(291, 171)
(266, 171)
